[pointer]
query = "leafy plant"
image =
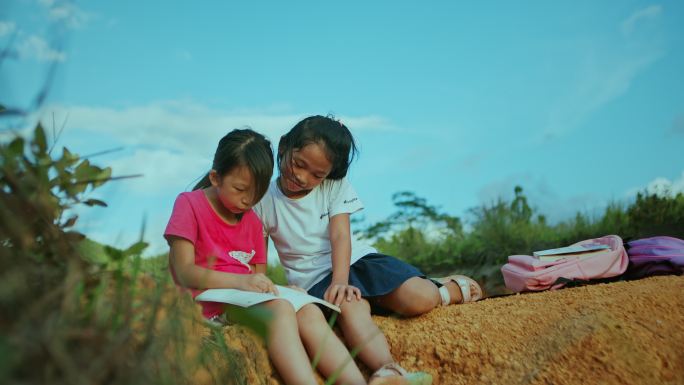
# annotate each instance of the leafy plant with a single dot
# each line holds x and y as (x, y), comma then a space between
(66, 317)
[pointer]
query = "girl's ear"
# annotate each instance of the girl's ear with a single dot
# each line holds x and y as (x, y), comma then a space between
(214, 178)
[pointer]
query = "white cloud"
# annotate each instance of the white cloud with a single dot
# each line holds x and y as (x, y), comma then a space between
(98, 228)
(35, 47)
(172, 143)
(187, 126)
(648, 13)
(6, 27)
(181, 126)
(66, 12)
(160, 169)
(660, 186)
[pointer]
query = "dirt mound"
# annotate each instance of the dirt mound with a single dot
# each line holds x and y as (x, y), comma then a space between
(618, 333)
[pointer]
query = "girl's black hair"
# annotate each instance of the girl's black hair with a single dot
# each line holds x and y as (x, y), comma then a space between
(244, 147)
(339, 144)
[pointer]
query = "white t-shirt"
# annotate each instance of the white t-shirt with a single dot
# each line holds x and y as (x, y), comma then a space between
(299, 228)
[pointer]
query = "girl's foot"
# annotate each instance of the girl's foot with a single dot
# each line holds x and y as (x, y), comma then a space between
(461, 289)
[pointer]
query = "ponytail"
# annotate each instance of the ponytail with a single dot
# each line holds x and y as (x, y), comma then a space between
(203, 183)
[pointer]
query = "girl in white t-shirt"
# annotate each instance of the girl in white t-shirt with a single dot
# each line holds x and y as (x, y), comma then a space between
(306, 214)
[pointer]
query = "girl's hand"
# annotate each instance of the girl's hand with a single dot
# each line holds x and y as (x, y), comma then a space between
(337, 292)
(258, 283)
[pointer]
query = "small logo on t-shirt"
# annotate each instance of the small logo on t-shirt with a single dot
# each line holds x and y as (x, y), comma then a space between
(351, 200)
(324, 215)
(242, 257)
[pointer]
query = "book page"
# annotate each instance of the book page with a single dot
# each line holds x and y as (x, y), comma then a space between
(250, 298)
(570, 250)
(592, 253)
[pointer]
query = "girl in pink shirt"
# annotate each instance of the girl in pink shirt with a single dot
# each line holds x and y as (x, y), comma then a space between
(216, 241)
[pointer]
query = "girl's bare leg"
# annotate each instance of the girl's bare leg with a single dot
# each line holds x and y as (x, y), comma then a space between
(417, 296)
(318, 338)
(285, 347)
(414, 297)
(360, 330)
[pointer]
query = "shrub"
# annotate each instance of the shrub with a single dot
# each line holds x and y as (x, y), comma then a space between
(66, 317)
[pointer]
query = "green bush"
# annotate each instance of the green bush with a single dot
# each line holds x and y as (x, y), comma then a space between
(73, 311)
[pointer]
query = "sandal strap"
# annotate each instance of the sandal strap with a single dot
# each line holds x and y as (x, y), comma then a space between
(391, 369)
(464, 285)
(444, 295)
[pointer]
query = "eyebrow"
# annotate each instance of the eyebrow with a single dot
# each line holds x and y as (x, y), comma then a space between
(240, 184)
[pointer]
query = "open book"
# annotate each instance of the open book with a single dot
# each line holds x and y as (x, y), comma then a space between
(576, 251)
(249, 298)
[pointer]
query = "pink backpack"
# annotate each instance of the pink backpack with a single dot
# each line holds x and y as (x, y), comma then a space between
(527, 273)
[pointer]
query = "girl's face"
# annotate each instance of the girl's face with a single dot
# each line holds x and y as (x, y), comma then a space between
(304, 169)
(235, 190)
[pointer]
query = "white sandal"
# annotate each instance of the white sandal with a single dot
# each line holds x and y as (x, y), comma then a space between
(464, 284)
(393, 373)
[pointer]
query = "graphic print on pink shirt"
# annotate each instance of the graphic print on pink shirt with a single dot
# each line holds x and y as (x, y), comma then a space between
(242, 257)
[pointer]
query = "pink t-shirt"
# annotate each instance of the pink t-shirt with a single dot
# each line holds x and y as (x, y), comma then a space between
(232, 246)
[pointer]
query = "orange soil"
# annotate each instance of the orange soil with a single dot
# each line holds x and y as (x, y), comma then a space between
(617, 333)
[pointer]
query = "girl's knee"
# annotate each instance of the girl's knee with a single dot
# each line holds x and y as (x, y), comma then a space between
(417, 297)
(354, 309)
(280, 308)
(309, 314)
(420, 304)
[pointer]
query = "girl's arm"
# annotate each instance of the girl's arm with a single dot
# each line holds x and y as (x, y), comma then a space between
(182, 259)
(340, 242)
(260, 268)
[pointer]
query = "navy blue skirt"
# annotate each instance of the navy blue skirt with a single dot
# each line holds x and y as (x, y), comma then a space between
(374, 274)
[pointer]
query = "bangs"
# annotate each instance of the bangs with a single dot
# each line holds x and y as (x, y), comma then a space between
(259, 160)
(337, 140)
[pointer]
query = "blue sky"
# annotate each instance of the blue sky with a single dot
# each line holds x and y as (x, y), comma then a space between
(581, 103)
